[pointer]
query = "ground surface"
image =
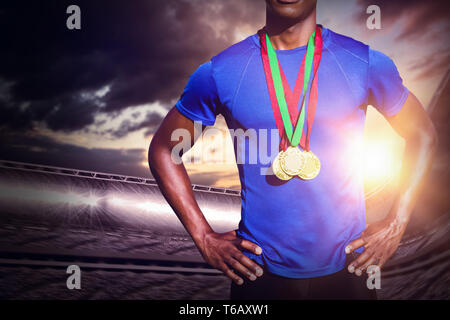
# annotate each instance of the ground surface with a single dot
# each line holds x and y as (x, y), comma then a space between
(431, 281)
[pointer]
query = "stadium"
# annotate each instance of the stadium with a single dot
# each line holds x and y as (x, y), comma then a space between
(129, 244)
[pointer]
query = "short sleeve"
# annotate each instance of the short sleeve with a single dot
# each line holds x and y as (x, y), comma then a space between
(386, 90)
(200, 101)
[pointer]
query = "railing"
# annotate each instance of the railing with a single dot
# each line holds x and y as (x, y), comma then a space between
(104, 176)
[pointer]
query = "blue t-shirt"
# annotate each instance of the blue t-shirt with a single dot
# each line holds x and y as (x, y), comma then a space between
(301, 226)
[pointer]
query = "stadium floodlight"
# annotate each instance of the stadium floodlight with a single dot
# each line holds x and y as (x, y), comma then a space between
(61, 196)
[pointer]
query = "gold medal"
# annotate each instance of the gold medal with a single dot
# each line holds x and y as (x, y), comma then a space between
(276, 168)
(292, 161)
(311, 168)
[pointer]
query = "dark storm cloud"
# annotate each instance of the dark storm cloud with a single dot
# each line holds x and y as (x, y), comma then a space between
(420, 16)
(144, 50)
(437, 62)
(151, 121)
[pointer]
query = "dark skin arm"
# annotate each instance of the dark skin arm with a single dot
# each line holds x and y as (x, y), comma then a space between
(223, 251)
(381, 239)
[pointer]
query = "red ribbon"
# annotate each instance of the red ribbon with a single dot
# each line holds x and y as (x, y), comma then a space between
(292, 98)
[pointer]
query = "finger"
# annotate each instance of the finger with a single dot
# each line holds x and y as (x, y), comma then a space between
(354, 265)
(252, 247)
(358, 243)
(230, 274)
(371, 261)
(381, 262)
(237, 266)
(246, 261)
(231, 235)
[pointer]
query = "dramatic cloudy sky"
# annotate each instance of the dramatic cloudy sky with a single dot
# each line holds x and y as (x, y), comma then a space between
(92, 98)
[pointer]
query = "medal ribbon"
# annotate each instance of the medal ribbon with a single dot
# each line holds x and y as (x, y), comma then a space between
(314, 93)
(271, 89)
(293, 136)
(287, 101)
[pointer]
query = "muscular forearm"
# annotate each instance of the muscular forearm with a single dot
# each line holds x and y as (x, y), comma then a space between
(382, 238)
(418, 156)
(221, 250)
(175, 185)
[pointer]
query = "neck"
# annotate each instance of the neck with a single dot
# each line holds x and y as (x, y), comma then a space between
(288, 34)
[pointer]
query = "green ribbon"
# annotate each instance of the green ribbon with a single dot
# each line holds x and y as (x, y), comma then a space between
(294, 135)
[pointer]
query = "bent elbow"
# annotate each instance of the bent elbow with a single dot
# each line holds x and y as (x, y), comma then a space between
(151, 152)
(152, 155)
(432, 138)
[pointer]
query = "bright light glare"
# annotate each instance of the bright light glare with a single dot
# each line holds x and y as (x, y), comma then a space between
(148, 206)
(116, 201)
(47, 196)
(90, 200)
(70, 197)
(381, 163)
(377, 162)
(159, 208)
(139, 205)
